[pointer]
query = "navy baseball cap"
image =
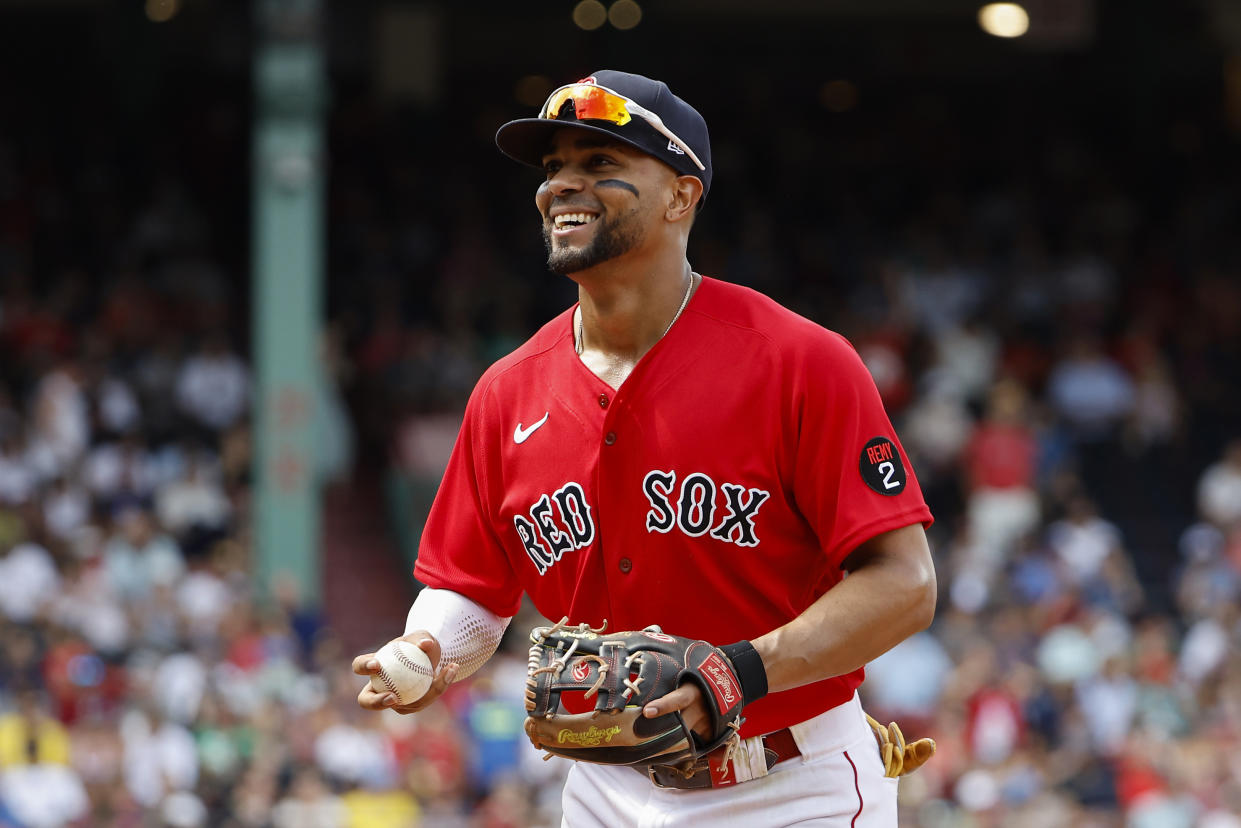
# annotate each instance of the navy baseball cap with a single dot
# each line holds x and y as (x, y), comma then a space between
(633, 109)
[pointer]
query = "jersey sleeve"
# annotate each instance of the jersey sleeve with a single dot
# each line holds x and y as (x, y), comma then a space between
(459, 549)
(852, 480)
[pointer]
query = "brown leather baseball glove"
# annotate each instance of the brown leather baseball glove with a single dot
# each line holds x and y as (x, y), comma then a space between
(621, 672)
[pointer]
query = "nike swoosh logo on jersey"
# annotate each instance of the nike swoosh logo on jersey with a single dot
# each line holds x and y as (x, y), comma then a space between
(521, 434)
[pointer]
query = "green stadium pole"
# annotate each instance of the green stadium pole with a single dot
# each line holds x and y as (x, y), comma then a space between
(287, 293)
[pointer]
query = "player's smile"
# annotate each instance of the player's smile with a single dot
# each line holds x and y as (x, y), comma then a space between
(567, 223)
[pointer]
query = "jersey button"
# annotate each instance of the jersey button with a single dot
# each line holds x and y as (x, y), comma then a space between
(609, 438)
(603, 400)
(625, 565)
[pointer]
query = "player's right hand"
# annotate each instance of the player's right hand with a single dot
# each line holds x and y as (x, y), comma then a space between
(367, 665)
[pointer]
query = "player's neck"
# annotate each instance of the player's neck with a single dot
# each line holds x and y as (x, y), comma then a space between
(626, 308)
(623, 314)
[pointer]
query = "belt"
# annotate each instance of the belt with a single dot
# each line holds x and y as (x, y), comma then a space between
(706, 772)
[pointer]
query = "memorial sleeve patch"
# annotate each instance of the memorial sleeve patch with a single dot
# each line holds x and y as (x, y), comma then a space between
(881, 467)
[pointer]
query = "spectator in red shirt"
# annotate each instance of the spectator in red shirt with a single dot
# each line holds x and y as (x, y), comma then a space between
(1000, 464)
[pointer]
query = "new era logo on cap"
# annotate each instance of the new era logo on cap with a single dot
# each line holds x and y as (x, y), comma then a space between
(675, 148)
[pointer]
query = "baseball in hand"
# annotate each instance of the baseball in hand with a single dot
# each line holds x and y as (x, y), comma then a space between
(404, 671)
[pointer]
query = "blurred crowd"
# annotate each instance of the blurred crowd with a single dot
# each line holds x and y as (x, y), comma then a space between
(1055, 327)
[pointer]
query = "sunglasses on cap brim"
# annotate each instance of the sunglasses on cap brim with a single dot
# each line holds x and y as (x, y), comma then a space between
(598, 103)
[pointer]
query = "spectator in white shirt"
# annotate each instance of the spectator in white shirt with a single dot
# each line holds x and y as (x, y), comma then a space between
(62, 413)
(66, 508)
(160, 757)
(1089, 391)
(198, 500)
(29, 581)
(1219, 489)
(117, 404)
(1083, 541)
(18, 478)
(213, 386)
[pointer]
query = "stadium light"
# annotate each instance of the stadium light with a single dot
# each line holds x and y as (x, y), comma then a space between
(161, 11)
(589, 15)
(1004, 19)
(625, 14)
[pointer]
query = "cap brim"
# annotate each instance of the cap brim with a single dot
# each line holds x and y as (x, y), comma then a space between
(527, 139)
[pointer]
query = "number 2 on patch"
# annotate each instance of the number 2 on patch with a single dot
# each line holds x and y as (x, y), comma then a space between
(881, 467)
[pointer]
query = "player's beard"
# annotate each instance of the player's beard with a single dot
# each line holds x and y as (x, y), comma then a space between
(612, 238)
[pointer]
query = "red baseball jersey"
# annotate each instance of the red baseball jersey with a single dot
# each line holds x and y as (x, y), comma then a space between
(715, 493)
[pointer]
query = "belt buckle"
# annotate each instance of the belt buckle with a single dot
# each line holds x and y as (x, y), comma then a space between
(650, 772)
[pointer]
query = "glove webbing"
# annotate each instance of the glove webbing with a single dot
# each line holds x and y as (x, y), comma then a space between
(561, 661)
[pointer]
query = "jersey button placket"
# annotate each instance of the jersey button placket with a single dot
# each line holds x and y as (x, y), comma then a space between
(610, 463)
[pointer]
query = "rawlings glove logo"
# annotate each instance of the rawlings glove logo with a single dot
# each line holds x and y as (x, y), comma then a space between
(587, 738)
(721, 680)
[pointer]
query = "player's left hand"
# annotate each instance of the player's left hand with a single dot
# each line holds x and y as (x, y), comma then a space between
(688, 700)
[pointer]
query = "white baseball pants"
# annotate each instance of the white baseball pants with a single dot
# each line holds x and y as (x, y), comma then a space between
(837, 782)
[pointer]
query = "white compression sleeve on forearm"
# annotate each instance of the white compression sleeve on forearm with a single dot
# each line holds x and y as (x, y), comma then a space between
(467, 632)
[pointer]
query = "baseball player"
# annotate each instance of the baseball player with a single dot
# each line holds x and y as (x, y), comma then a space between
(680, 451)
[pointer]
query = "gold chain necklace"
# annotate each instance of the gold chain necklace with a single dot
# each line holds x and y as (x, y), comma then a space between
(577, 340)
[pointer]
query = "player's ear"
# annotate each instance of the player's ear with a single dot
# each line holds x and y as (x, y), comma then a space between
(683, 196)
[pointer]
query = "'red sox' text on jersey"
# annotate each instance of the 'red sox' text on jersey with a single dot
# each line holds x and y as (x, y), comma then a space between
(715, 493)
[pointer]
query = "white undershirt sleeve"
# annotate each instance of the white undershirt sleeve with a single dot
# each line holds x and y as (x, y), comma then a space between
(468, 633)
